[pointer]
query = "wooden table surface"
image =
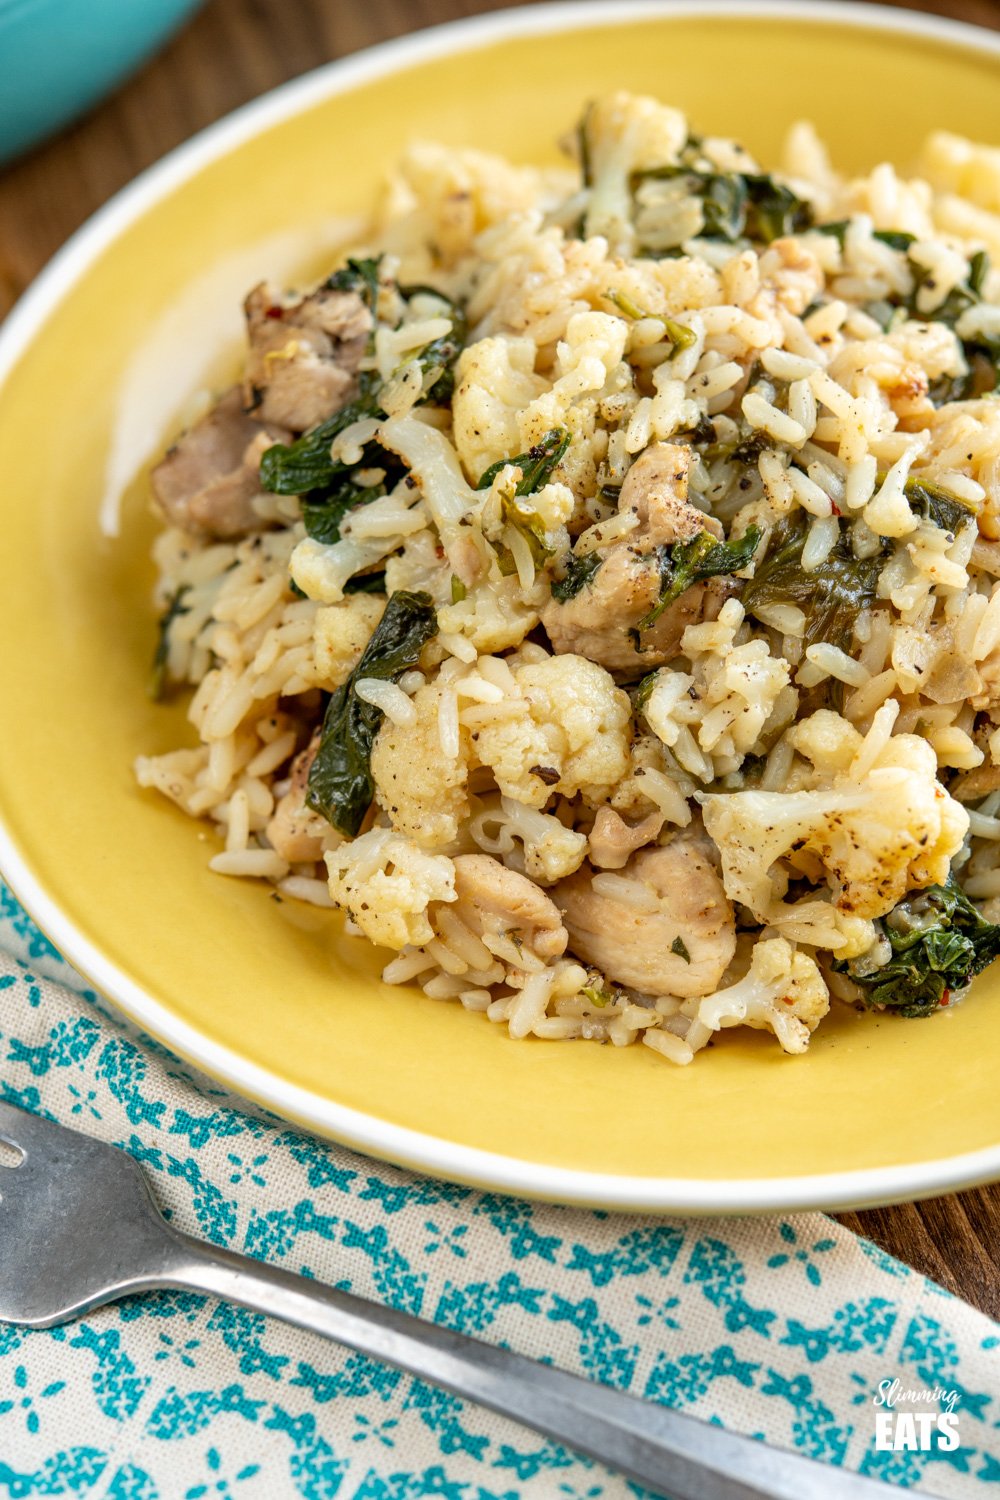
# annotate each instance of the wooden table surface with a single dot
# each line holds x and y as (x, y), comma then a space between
(232, 51)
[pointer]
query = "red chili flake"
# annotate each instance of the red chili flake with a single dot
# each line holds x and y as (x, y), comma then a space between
(945, 998)
(836, 508)
(275, 312)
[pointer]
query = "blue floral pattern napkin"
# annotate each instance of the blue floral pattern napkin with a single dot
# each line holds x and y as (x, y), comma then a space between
(786, 1328)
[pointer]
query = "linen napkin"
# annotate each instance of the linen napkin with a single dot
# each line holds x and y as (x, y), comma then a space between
(789, 1328)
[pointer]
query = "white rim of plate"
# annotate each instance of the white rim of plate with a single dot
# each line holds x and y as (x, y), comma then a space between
(354, 1128)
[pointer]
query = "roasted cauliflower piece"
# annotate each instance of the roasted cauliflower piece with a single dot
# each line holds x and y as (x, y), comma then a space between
(386, 882)
(571, 731)
(340, 634)
(877, 831)
(424, 793)
(783, 992)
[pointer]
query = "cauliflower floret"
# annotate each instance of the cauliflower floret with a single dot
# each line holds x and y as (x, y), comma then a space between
(783, 992)
(727, 709)
(495, 615)
(550, 849)
(495, 380)
(877, 829)
(420, 566)
(572, 731)
(385, 883)
(340, 634)
(424, 792)
(626, 133)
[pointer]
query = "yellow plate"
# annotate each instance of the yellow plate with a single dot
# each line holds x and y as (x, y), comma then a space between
(271, 997)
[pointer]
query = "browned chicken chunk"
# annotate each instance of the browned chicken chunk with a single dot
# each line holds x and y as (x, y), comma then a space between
(208, 480)
(601, 621)
(303, 357)
(679, 938)
(493, 899)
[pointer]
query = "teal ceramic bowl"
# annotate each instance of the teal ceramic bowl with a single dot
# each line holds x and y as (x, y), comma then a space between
(59, 56)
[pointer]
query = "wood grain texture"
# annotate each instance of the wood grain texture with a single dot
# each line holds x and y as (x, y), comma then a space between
(232, 51)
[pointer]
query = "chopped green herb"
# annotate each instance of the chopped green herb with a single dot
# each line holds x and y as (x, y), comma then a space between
(529, 526)
(836, 228)
(896, 239)
(536, 465)
(583, 146)
(679, 947)
(703, 433)
(536, 468)
(441, 355)
(745, 450)
(643, 690)
(982, 351)
(686, 563)
(579, 573)
(939, 943)
(831, 597)
(678, 335)
(158, 672)
(458, 589)
(340, 785)
(598, 994)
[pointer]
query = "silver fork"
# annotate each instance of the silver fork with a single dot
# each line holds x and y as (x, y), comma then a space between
(78, 1228)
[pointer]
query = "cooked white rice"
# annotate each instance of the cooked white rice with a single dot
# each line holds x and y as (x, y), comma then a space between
(565, 837)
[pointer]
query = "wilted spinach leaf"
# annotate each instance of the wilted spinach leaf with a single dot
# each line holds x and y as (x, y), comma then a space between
(340, 785)
(536, 465)
(831, 597)
(738, 204)
(686, 563)
(579, 572)
(939, 942)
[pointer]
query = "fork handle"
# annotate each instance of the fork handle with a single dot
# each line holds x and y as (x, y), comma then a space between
(658, 1447)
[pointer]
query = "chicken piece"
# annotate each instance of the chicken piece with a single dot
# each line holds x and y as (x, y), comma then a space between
(294, 831)
(655, 491)
(493, 900)
(613, 841)
(679, 938)
(303, 358)
(601, 621)
(208, 480)
(973, 786)
(596, 622)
